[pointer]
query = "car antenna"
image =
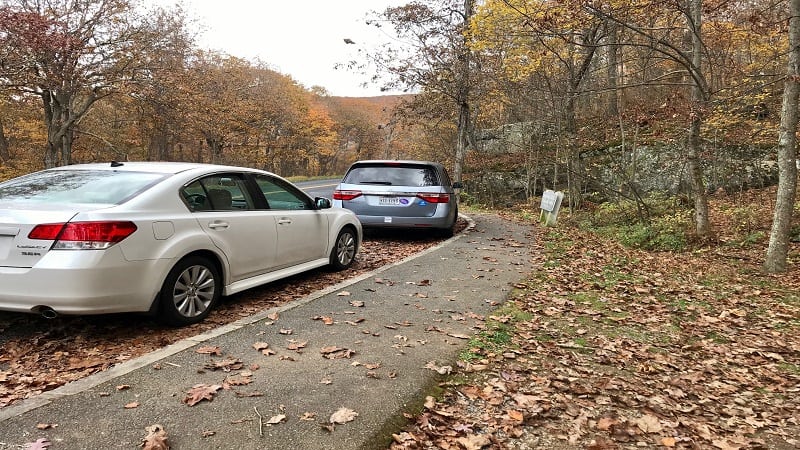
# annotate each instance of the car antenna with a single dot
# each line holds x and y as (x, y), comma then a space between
(116, 164)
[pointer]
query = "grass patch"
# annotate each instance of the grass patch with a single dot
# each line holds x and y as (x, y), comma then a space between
(793, 369)
(717, 338)
(498, 333)
(790, 299)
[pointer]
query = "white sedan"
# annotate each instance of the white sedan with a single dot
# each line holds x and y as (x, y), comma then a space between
(165, 238)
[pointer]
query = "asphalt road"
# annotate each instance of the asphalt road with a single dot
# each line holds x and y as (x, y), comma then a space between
(319, 188)
(373, 346)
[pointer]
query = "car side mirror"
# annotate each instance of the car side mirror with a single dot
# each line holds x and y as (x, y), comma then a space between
(322, 203)
(457, 185)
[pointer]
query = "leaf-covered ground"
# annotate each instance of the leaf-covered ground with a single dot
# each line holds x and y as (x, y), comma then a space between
(605, 347)
(38, 355)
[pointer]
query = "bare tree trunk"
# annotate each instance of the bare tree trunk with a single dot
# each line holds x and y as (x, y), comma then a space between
(66, 146)
(778, 249)
(462, 98)
(5, 155)
(612, 72)
(61, 114)
(694, 20)
(215, 146)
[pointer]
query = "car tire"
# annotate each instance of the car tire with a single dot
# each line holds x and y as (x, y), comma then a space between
(448, 232)
(344, 249)
(190, 291)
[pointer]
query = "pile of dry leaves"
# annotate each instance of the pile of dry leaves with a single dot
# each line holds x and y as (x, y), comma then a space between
(613, 348)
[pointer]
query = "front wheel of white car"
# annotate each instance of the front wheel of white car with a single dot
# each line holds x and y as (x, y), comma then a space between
(344, 250)
(190, 291)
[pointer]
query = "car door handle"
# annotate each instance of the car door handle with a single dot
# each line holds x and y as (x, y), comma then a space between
(218, 225)
(284, 220)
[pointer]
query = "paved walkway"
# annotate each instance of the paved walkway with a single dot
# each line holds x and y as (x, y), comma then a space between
(373, 345)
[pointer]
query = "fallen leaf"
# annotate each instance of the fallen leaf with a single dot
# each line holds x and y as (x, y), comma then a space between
(209, 350)
(516, 416)
(333, 352)
(343, 415)
(296, 345)
(131, 405)
(226, 365)
(200, 392)
(156, 438)
(474, 441)
(40, 444)
(442, 370)
(605, 423)
(238, 380)
(649, 424)
(276, 419)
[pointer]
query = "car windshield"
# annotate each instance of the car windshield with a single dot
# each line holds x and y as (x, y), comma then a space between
(78, 186)
(392, 175)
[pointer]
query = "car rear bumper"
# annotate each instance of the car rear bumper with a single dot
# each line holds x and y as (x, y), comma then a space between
(82, 282)
(405, 222)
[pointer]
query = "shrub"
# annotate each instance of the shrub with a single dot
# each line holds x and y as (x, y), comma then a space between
(667, 229)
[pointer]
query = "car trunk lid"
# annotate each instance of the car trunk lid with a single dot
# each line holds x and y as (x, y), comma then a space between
(16, 248)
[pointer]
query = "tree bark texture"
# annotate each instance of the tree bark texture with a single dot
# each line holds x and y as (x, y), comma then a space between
(462, 139)
(694, 20)
(612, 71)
(5, 155)
(778, 249)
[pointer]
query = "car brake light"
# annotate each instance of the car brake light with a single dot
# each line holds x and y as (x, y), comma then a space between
(83, 235)
(435, 198)
(345, 195)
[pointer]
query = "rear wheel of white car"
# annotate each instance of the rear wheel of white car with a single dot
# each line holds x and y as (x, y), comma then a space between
(344, 250)
(190, 291)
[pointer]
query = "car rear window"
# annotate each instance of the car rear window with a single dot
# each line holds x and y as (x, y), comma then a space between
(78, 186)
(393, 175)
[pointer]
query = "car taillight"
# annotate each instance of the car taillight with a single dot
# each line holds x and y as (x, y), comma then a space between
(345, 195)
(83, 235)
(435, 198)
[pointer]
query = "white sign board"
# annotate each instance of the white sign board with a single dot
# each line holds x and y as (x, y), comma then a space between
(551, 203)
(549, 200)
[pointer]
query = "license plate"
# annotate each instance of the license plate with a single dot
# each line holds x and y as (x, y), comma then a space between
(389, 201)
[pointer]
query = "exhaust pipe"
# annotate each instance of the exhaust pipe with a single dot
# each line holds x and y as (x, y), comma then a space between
(48, 312)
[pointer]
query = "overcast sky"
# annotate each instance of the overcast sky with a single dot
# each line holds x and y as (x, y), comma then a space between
(300, 38)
